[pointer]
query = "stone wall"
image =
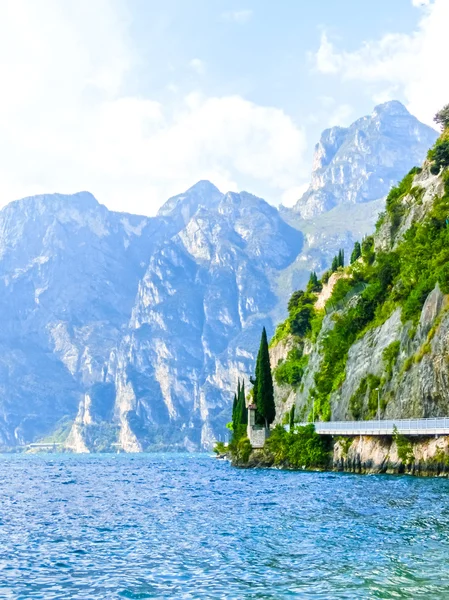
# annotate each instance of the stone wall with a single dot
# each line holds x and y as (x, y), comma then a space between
(257, 436)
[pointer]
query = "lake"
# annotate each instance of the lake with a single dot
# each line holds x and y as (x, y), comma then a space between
(191, 526)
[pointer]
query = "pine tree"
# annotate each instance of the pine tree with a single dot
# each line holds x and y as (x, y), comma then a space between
(264, 383)
(356, 253)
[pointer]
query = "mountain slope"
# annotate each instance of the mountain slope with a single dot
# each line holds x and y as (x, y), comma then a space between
(384, 336)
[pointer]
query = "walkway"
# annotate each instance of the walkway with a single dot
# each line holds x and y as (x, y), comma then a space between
(437, 426)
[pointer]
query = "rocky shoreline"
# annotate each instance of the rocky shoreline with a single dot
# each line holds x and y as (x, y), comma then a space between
(422, 457)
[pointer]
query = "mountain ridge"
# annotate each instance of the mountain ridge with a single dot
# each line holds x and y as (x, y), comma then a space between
(132, 330)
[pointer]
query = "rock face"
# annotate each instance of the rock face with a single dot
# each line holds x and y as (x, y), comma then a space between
(133, 329)
(374, 454)
(360, 163)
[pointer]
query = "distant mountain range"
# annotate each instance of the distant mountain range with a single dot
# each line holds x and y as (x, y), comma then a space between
(125, 331)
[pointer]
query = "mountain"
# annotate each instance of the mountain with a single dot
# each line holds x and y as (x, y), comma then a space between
(360, 163)
(199, 309)
(122, 331)
(384, 318)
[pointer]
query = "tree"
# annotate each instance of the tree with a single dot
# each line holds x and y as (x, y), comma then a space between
(295, 301)
(341, 258)
(234, 411)
(334, 266)
(356, 253)
(292, 417)
(264, 383)
(242, 406)
(442, 117)
(314, 284)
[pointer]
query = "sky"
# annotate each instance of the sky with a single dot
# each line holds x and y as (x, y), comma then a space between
(137, 100)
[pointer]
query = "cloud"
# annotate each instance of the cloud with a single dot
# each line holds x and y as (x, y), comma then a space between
(334, 114)
(292, 195)
(224, 139)
(237, 16)
(198, 65)
(411, 66)
(68, 121)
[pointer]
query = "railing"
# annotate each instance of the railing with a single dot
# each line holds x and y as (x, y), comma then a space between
(435, 426)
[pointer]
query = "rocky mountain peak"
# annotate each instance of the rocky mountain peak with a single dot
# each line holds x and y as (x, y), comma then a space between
(390, 108)
(360, 163)
(183, 206)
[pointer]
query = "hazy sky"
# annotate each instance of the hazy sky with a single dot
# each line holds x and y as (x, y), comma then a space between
(136, 100)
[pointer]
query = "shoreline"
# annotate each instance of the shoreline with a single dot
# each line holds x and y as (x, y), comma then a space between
(367, 455)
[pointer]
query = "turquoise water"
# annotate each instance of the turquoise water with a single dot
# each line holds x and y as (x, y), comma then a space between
(190, 526)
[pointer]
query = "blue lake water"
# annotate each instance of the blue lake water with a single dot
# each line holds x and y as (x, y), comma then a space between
(190, 526)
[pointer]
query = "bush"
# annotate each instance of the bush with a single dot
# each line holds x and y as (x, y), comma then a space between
(404, 446)
(368, 249)
(325, 276)
(439, 155)
(390, 355)
(291, 370)
(220, 448)
(301, 448)
(341, 289)
(301, 312)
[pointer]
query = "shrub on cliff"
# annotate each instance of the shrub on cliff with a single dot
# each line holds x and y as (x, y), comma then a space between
(291, 370)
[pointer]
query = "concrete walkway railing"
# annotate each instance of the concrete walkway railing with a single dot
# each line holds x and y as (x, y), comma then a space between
(436, 426)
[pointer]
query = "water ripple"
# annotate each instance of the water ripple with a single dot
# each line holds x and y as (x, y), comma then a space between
(191, 527)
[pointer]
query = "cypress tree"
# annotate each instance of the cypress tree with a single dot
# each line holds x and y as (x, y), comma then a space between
(292, 417)
(341, 258)
(356, 253)
(253, 382)
(264, 383)
(242, 406)
(234, 412)
(334, 264)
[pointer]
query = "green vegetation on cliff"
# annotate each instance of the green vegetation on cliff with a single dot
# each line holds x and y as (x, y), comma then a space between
(398, 272)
